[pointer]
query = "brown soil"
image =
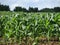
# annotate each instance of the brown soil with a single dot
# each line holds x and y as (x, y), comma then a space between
(45, 43)
(42, 41)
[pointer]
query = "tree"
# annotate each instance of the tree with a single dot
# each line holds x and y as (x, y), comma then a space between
(18, 9)
(57, 9)
(31, 9)
(46, 10)
(24, 10)
(4, 8)
(35, 9)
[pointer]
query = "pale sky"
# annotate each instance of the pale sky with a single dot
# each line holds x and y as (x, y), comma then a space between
(31, 3)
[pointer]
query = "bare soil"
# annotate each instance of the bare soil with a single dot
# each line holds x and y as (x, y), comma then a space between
(42, 41)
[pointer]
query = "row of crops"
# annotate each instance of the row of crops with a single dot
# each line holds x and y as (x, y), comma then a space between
(22, 26)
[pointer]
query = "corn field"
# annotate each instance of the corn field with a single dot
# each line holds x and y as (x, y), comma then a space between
(24, 28)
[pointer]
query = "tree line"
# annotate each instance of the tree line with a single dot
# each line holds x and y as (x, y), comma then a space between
(31, 9)
(4, 8)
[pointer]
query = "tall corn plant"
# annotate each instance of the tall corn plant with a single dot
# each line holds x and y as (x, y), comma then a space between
(21, 26)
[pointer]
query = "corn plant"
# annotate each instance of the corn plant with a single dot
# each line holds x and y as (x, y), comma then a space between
(21, 26)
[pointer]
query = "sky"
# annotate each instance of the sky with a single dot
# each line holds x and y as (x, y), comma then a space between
(31, 3)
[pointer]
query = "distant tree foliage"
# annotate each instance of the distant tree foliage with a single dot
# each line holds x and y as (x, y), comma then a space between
(55, 9)
(24, 10)
(4, 8)
(31, 9)
(46, 10)
(18, 9)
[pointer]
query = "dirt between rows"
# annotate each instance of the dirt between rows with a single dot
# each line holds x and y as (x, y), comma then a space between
(29, 41)
(41, 43)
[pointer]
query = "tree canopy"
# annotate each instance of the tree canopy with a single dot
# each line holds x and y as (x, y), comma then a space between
(4, 8)
(31, 9)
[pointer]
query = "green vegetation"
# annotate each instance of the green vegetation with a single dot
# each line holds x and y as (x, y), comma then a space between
(22, 25)
(30, 9)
